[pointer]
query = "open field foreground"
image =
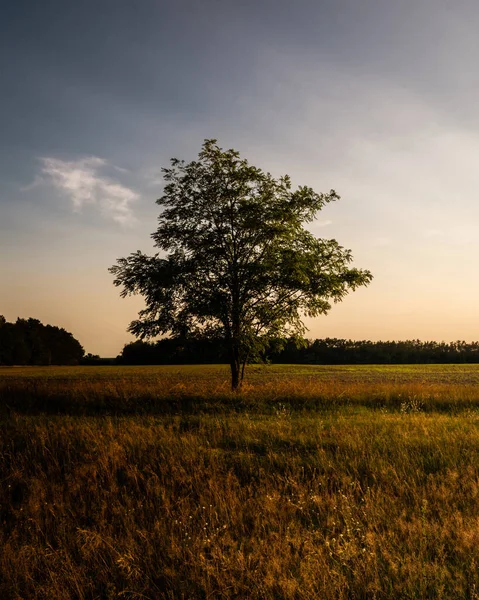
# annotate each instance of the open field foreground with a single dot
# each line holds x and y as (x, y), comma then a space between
(315, 482)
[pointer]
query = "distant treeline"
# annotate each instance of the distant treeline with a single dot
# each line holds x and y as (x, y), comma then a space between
(29, 342)
(173, 351)
(329, 351)
(334, 351)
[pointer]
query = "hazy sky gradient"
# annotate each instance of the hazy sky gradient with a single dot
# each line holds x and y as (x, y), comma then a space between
(375, 99)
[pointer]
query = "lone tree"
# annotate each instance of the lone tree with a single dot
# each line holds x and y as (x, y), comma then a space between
(237, 263)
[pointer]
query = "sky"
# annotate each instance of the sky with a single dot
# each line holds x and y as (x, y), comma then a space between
(375, 99)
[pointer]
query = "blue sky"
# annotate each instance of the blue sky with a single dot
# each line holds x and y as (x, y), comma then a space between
(375, 99)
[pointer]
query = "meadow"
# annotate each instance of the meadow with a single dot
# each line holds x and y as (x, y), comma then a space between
(313, 482)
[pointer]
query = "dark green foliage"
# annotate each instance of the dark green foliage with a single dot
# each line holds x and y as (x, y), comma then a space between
(173, 351)
(328, 351)
(332, 351)
(236, 262)
(29, 342)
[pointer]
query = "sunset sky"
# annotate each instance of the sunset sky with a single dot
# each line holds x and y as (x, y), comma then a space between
(378, 100)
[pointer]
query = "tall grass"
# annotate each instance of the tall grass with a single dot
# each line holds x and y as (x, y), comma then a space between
(194, 390)
(376, 496)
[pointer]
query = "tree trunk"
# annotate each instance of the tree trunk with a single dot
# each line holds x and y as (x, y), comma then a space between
(236, 374)
(235, 377)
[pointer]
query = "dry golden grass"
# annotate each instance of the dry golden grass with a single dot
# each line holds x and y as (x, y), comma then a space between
(300, 488)
(206, 389)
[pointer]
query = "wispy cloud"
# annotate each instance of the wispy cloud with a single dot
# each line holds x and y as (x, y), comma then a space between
(85, 183)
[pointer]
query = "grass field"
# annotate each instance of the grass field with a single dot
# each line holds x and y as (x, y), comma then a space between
(314, 482)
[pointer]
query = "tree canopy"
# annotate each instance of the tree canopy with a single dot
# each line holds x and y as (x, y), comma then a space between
(236, 261)
(29, 342)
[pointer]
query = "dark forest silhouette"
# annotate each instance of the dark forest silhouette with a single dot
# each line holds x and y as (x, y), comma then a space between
(321, 351)
(29, 342)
